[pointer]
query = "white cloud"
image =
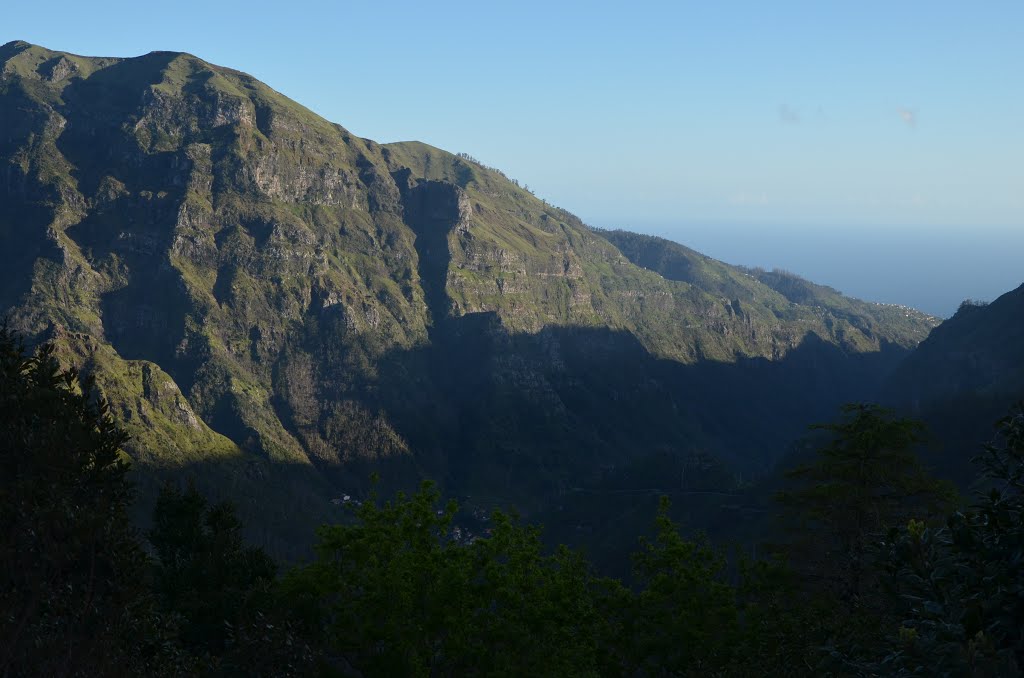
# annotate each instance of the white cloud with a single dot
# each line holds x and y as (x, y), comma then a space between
(749, 198)
(789, 115)
(908, 116)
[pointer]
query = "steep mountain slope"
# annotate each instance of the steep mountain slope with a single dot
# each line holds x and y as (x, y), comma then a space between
(258, 289)
(977, 352)
(964, 377)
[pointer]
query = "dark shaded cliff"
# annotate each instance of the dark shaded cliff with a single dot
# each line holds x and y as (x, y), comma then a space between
(963, 378)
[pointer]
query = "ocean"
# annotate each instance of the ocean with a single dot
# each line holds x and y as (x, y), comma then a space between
(932, 269)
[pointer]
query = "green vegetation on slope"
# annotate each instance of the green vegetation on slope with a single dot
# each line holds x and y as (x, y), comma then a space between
(779, 296)
(401, 588)
(266, 291)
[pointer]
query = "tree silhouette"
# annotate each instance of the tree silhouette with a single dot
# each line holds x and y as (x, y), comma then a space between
(73, 589)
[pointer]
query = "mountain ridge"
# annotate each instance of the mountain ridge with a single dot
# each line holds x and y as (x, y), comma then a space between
(963, 378)
(978, 350)
(254, 285)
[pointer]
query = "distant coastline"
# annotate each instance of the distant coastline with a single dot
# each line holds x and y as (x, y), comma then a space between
(931, 269)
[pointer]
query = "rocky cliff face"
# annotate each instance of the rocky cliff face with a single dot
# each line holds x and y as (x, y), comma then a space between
(252, 282)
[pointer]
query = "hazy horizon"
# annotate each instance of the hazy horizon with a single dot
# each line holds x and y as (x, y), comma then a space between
(932, 269)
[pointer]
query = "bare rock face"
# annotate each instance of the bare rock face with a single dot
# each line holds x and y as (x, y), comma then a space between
(57, 69)
(278, 180)
(164, 395)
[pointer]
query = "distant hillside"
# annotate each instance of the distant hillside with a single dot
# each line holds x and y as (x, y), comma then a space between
(854, 324)
(279, 307)
(978, 352)
(964, 377)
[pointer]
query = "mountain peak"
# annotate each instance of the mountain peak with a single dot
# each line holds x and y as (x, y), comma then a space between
(13, 49)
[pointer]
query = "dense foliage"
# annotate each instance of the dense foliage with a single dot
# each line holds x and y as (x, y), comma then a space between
(72, 591)
(401, 588)
(79, 595)
(866, 479)
(400, 594)
(960, 586)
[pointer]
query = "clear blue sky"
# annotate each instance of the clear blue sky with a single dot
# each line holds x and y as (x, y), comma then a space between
(780, 112)
(661, 116)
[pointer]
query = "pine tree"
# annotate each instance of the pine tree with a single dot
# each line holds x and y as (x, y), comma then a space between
(73, 593)
(866, 479)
